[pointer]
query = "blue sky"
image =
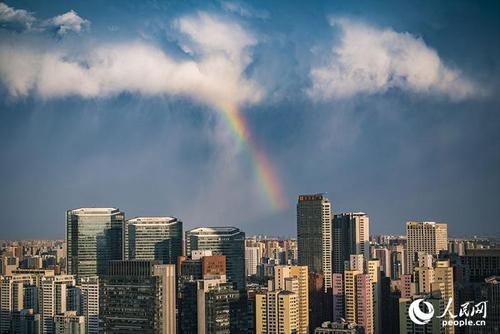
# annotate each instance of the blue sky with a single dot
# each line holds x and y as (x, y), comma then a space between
(389, 107)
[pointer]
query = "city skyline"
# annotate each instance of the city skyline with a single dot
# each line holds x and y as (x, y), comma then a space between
(221, 112)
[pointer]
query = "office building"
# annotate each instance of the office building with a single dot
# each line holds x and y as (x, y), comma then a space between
(93, 238)
(153, 238)
(138, 296)
(481, 263)
(211, 306)
(425, 237)
(314, 235)
(227, 241)
(350, 236)
(491, 293)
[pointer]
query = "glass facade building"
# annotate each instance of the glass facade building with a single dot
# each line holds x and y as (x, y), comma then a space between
(93, 238)
(314, 225)
(228, 241)
(138, 296)
(154, 238)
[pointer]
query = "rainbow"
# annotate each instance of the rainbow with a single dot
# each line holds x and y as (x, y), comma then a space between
(268, 181)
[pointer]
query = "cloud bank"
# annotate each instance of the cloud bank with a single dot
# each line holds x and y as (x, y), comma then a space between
(211, 72)
(20, 20)
(9, 15)
(69, 21)
(369, 60)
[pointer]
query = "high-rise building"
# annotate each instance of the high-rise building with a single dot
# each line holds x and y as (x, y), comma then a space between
(374, 273)
(437, 280)
(338, 296)
(138, 296)
(295, 279)
(252, 259)
(398, 261)
(93, 237)
(54, 297)
(29, 322)
(69, 323)
(350, 295)
(384, 255)
(481, 263)
(364, 303)
(89, 287)
(314, 235)
(426, 237)
(491, 293)
(11, 298)
(350, 236)
(277, 312)
(220, 308)
(228, 241)
(153, 238)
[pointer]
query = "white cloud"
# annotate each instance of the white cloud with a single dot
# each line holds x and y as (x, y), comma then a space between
(15, 16)
(213, 75)
(369, 60)
(244, 10)
(69, 21)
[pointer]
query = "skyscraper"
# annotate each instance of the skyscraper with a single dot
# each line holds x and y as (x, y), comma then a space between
(228, 241)
(153, 238)
(427, 237)
(93, 237)
(350, 236)
(314, 235)
(138, 296)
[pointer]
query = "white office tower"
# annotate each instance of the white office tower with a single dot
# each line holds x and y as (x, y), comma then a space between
(89, 287)
(426, 237)
(252, 259)
(69, 323)
(54, 297)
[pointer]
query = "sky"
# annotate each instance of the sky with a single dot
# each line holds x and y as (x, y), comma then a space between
(221, 113)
